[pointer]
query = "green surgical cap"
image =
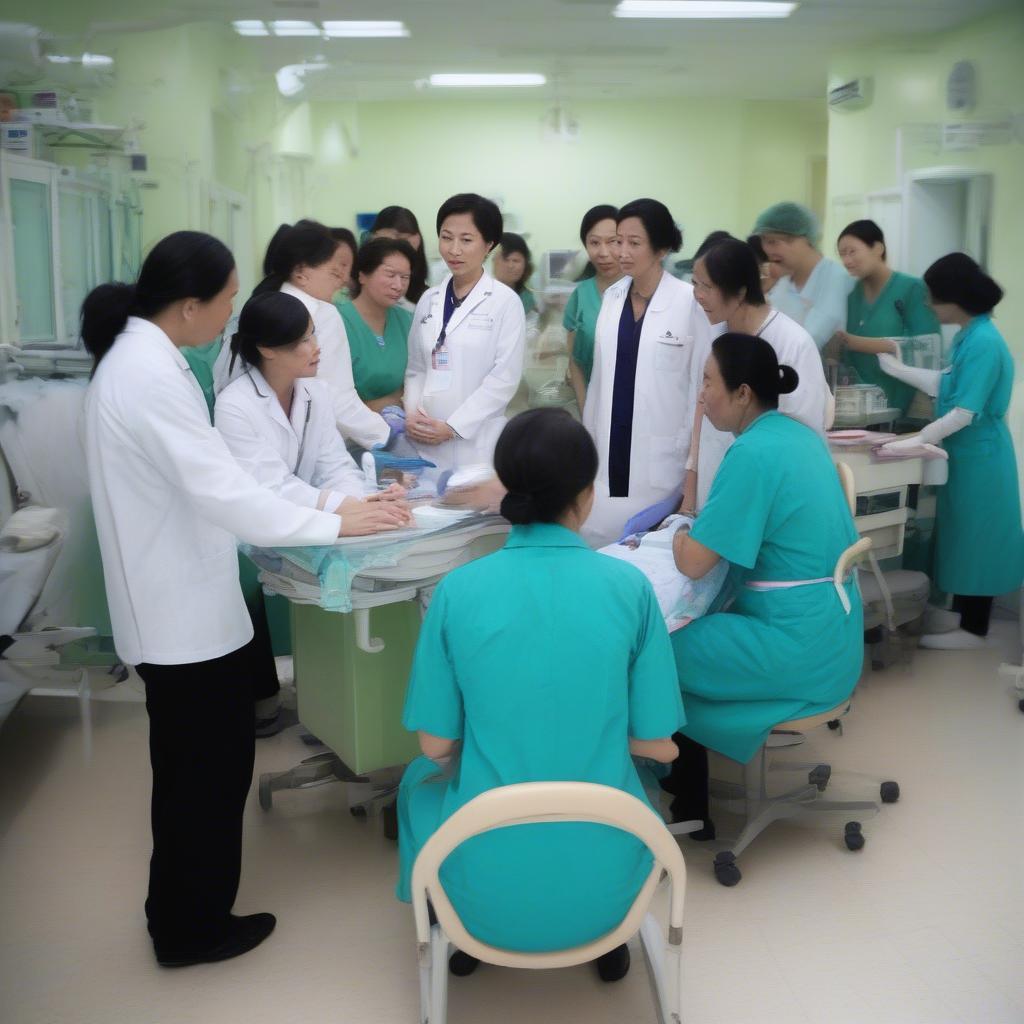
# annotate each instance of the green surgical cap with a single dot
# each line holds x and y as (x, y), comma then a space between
(789, 219)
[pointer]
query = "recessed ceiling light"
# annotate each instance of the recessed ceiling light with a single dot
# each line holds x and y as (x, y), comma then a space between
(469, 81)
(365, 29)
(96, 60)
(250, 28)
(295, 28)
(706, 9)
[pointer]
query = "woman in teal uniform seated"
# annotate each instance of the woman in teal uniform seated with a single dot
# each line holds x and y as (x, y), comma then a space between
(791, 643)
(376, 325)
(599, 234)
(513, 266)
(883, 305)
(979, 547)
(544, 661)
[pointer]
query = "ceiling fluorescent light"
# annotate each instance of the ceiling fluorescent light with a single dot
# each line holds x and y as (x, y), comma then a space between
(295, 28)
(706, 9)
(472, 81)
(96, 60)
(250, 28)
(365, 29)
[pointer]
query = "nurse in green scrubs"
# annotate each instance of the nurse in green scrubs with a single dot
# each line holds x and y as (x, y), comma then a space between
(884, 304)
(599, 234)
(791, 643)
(377, 327)
(513, 266)
(979, 546)
(543, 661)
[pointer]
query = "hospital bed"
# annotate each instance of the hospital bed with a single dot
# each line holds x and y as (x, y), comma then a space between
(356, 609)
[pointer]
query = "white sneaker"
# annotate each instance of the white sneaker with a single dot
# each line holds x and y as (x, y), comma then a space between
(940, 620)
(957, 640)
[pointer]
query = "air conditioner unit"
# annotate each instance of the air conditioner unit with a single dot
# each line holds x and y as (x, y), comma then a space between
(852, 95)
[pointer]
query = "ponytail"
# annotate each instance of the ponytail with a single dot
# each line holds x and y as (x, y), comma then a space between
(304, 243)
(184, 265)
(272, 320)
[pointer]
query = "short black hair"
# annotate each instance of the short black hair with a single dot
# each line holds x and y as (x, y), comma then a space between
(959, 280)
(747, 359)
(594, 216)
(733, 269)
(866, 231)
(513, 243)
(712, 240)
(304, 243)
(373, 253)
(661, 229)
(757, 248)
(545, 459)
(268, 320)
(484, 212)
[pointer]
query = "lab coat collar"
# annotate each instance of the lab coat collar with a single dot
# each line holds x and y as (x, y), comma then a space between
(265, 392)
(483, 289)
(544, 535)
(662, 294)
(149, 330)
(307, 300)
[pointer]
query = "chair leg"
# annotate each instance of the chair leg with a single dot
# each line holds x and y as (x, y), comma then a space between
(85, 713)
(438, 976)
(664, 971)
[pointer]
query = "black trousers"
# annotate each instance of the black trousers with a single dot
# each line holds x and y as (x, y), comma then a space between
(975, 613)
(687, 781)
(202, 747)
(265, 682)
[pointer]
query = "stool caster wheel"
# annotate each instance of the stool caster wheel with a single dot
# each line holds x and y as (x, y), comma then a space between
(726, 871)
(1020, 704)
(820, 776)
(266, 795)
(835, 725)
(853, 836)
(358, 812)
(889, 792)
(389, 820)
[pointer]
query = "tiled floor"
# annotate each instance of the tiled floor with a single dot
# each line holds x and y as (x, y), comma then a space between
(925, 925)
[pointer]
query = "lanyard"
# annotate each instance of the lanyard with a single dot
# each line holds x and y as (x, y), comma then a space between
(302, 439)
(451, 303)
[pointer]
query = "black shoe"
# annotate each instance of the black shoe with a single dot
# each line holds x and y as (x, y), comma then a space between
(244, 933)
(462, 964)
(613, 965)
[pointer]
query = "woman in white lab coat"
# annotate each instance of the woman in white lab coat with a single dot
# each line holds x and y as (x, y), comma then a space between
(304, 260)
(169, 501)
(727, 283)
(638, 409)
(467, 343)
(277, 419)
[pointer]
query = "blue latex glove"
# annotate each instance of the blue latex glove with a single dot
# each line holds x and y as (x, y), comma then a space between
(650, 517)
(394, 417)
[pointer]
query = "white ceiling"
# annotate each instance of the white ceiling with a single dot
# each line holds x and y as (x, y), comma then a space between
(583, 50)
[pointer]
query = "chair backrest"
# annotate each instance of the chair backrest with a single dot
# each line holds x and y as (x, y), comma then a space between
(545, 802)
(849, 486)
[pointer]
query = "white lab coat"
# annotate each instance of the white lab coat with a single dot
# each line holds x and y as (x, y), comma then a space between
(356, 421)
(301, 458)
(663, 414)
(811, 403)
(169, 501)
(486, 341)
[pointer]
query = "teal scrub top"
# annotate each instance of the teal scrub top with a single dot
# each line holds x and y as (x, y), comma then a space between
(378, 363)
(901, 310)
(581, 316)
(528, 299)
(979, 545)
(201, 359)
(543, 659)
(776, 512)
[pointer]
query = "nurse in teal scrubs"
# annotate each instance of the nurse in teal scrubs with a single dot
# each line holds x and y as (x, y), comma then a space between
(513, 266)
(599, 234)
(884, 304)
(543, 661)
(376, 326)
(791, 643)
(979, 545)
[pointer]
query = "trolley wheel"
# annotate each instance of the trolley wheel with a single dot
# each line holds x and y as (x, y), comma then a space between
(389, 820)
(726, 870)
(835, 724)
(853, 836)
(1020, 704)
(266, 795)
(819, 776)
(889, 792)
(358, 812)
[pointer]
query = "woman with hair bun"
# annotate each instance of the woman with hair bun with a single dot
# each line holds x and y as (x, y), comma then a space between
(791, 643)
(979, 547)
(543, 661)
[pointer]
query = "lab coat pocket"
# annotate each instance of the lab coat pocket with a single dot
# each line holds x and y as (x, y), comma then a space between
(666, 462)
(479, 322)
(670, 354)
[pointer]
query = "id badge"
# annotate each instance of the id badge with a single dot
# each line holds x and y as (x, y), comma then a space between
(440, 370)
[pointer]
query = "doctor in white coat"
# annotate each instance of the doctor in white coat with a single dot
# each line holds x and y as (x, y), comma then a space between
(728, 285)
(467, 343)
(638, 407)
(277, 419)
(306, 261)
(169, 502)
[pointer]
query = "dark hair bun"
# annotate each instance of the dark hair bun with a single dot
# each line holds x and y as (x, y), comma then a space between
(518, 509)
(788, 379)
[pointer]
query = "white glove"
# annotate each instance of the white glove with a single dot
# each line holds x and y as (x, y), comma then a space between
(924, 380)
(904, 443)
(954, 420)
